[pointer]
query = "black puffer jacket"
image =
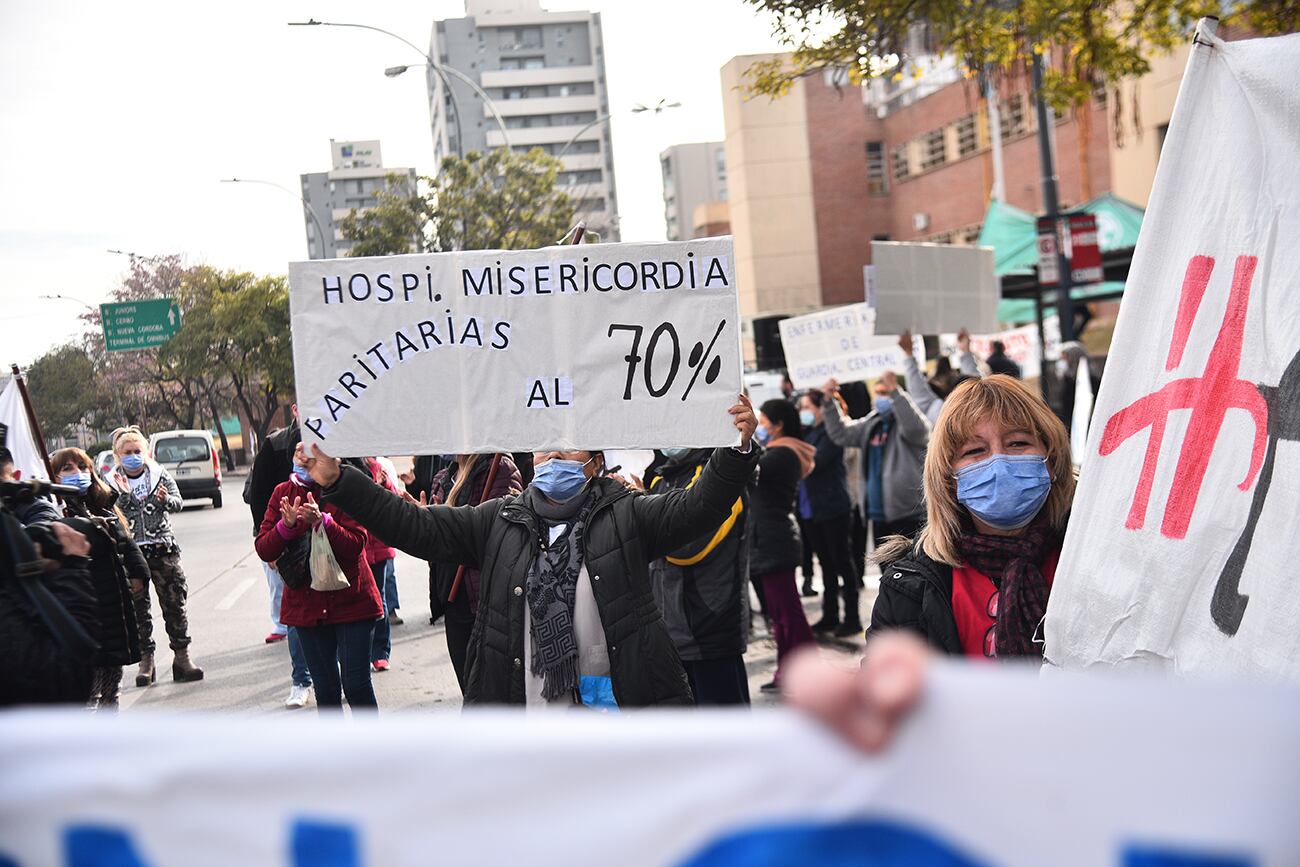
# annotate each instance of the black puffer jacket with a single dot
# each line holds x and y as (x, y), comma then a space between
(916, 595)
(114, 560)
(703, 587)
(500, 538)
(777, 546)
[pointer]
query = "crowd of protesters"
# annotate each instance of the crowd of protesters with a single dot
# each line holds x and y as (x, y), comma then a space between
(565, 584)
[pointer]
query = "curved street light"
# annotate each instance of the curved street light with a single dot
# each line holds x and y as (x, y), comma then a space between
(657, 108)
(305, 206)
(439, 69)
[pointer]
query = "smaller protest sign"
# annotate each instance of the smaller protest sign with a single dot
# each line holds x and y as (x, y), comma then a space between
(932, 288)
(838, 343)
(1021, 345)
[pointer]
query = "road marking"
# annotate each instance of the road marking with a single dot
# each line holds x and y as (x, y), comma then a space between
(233, 596)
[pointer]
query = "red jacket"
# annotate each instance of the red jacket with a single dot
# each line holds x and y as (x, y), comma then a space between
(376, 550)
(304, 606)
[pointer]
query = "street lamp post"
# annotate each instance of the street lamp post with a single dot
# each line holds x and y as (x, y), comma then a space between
(657, 108)
(439, 69)
(305, 206)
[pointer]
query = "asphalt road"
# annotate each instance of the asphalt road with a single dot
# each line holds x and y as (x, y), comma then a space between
(229, 614)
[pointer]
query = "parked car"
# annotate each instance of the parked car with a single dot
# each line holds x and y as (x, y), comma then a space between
(105, 462)
(191, 457)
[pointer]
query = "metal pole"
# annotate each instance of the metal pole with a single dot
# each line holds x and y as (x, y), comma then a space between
(478, 91)
(1051, 204)
(305, 206)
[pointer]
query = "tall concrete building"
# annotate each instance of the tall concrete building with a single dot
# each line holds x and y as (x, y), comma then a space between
(545, 74)
(356, 176)
(693, 175)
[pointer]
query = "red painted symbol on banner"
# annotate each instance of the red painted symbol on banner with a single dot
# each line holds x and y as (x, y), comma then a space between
(1209, 397)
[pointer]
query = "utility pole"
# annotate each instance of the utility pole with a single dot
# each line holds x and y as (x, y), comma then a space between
(1051, 204)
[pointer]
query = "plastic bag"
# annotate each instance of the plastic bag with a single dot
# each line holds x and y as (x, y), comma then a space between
(326, 574)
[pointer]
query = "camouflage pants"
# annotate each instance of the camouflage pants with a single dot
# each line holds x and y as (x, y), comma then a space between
(169, 580)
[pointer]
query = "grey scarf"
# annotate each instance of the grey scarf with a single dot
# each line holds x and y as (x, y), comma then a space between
(552, 588)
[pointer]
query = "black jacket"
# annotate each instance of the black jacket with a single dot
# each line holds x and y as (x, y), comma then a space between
(776, 545)
(501, 538)
(114, 559)
(703, 587)
(272, 466)
(916, 595)
(1000, 363)
(827, 486)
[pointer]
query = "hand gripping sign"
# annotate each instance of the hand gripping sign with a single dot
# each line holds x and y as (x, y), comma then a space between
(572, 347)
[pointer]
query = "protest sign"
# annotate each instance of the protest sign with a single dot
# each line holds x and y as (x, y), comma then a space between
(574, 347)
(839, 342)
(18, 435)
(1182, 547)
(932, 288)
(997, 768)
(1021, 345)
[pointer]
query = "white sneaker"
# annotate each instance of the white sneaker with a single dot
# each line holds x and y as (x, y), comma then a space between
(298, 696)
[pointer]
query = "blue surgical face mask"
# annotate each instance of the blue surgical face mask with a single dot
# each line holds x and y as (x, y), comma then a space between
(1005, 491)
(762, 434)
(302, 474)
(807, 417)
(885, 405)
(675, 453)
(133, 461)
(560, 480)
(80, 481)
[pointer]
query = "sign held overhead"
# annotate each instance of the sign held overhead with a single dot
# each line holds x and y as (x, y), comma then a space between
(933, 288)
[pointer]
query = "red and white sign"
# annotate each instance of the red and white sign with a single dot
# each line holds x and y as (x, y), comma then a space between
(1082, 249)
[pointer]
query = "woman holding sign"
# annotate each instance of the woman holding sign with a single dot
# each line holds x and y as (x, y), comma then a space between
(566, 614)
(998, 487)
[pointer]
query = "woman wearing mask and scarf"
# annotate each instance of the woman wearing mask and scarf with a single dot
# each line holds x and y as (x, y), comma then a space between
(566, 615)
(775, 543)
(146, 492)
(998, 488)
(334, 626)
(117, 568)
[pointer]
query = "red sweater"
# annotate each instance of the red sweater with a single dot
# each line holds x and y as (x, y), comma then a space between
(306, 607)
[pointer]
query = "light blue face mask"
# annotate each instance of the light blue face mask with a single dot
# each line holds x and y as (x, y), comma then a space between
(675, 453)
(133, 461)
(80, 481)
(885, 406)
(303, 475)
(807, 417)
(560, 480)
(1005, 491)
(762, 434)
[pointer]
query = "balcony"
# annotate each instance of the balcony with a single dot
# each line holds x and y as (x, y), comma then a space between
(544, 105)
(525, 77)
(543, 135)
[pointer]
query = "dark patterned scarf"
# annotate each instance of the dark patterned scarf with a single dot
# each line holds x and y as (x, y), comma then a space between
(552, 588)
(1013, 564)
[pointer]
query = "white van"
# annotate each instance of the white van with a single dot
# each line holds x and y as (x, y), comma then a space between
(191, 457)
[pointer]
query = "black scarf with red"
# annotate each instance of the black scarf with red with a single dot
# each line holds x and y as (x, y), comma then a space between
(1014, 565)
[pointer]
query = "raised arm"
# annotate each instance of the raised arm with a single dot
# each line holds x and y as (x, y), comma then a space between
(913, 426)
(847, 433)
(173, 503)
(668, 521)
(919, 388)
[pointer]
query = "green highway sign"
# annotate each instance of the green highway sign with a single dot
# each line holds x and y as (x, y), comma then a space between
(139, 324)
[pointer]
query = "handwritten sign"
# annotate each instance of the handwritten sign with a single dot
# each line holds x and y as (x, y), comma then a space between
(840, 342)
(575, 347)
(1182, 546)
(1021, 345)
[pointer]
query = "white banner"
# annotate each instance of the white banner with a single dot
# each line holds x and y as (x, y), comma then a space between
(1182, 547)
(575, 347)
(998, 768)
(931, 288)
(839, 342)
(1021, 345)
(19, 438)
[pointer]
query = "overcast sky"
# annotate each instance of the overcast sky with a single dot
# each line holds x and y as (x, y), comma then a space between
(120, 119)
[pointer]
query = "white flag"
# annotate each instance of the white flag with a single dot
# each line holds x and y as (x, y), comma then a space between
(18, 436)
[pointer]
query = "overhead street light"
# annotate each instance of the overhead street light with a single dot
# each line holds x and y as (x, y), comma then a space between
(305, 206)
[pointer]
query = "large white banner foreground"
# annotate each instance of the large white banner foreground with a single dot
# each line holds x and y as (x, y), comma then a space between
(576, 347)
(997, 769)
(1182, 548)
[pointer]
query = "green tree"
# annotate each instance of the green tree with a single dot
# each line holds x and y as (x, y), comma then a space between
(499, 201)
(65, 389)
(1086, 43)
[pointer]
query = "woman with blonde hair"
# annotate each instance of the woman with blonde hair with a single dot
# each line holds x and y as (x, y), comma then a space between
(998, 487)
(146, 492)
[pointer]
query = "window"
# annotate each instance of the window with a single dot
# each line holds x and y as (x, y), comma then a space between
(572, 179)
(720, 165)
(932, 149)
(898, 156)
(877, 182)
(1015, 120)
(967, 136)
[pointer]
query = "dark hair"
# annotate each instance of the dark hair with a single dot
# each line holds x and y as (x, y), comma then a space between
(998, 347)
(815, 396)
(942, 366)
(782, 412)
(6, 456)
